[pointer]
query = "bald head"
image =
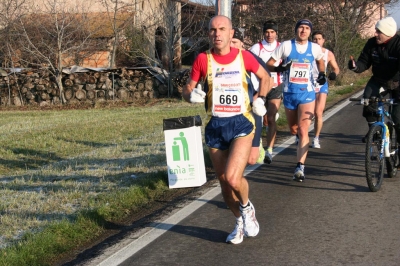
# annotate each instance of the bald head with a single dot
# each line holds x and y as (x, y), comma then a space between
(221, 18)
(220, 34)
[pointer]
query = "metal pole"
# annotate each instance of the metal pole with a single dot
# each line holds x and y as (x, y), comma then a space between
(223, 7)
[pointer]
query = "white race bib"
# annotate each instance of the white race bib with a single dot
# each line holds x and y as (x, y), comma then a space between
(299, 73)
(274, 76)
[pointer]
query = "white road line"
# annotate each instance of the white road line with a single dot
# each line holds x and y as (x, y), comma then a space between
(157, 229)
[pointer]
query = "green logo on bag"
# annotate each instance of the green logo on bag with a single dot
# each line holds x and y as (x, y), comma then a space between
(179, 147)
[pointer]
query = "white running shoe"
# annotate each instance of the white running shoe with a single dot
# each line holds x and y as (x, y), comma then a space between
(315, 143)
(261, 155)
(236, 237)
(251, 226)
(299, 173)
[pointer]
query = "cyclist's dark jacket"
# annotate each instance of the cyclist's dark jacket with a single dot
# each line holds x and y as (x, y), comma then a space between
(384, 59)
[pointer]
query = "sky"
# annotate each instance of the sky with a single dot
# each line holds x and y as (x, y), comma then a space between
(394, 12)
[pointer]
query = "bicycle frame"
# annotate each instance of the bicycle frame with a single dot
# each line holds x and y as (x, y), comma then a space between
(382, 114)
(378, 150)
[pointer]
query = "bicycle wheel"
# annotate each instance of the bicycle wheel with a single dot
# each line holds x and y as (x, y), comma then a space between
(393, 161)
(374, 158)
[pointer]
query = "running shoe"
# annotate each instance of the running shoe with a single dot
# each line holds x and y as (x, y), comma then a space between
(251, 226)
(315, 143)
(261, 154)
(268, 158)
(236, 237)
(299, 173)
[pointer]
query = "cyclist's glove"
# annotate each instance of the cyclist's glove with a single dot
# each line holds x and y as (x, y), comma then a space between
(321, 80)
(352, 64)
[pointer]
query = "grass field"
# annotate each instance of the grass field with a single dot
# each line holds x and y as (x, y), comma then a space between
(65, 173)
(60, 169)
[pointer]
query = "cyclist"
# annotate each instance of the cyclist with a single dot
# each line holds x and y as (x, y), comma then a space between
(382, 52)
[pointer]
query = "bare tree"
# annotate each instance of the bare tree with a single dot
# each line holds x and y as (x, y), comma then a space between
(160, 32)
(10, 11)
(64, 32)
(115, 10)
(344, 22)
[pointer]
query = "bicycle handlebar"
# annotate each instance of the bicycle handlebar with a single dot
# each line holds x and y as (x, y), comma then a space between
(367, 102)
(372, 100)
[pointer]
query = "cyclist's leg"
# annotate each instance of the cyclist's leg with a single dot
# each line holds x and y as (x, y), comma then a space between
(371, 90)
(396, 120)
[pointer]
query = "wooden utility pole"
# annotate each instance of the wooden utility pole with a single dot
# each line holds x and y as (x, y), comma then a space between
(223, 7)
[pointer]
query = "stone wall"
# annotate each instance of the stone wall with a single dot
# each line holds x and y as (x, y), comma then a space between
(27, 86)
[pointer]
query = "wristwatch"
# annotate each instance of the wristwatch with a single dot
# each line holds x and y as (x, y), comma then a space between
(263, 98)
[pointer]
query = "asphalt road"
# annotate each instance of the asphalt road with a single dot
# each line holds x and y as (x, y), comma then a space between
(330, 219)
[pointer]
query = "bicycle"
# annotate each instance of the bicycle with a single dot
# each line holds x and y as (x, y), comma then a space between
(381, 145)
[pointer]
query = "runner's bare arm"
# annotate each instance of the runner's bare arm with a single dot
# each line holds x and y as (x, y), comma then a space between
(332, 63)
(265, 81)
(187, 90)
(271, 64)
(320, 65)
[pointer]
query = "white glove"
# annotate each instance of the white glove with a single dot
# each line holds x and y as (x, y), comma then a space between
(197, 95)
(259, 107)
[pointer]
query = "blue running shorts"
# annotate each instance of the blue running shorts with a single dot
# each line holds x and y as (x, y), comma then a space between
(324, 88)
(292, 100)
(221, 131)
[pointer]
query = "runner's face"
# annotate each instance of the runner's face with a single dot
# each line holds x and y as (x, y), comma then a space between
(220, 34)
(236, 43)
(270, 35)
(319, 39)
(303, 33)
(380, 37)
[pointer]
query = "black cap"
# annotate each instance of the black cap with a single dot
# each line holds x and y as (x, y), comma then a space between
(270, 25)
(302, 22)
(238, 34)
